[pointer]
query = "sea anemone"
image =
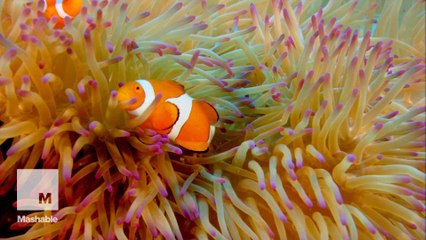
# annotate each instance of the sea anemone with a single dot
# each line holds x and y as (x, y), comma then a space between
(321, 132)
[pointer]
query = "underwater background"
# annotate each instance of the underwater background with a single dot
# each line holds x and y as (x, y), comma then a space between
(321, 133)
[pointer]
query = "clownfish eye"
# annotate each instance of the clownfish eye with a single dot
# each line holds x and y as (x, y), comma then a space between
(137, 88)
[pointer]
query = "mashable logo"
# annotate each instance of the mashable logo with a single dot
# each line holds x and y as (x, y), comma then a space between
(37, 189)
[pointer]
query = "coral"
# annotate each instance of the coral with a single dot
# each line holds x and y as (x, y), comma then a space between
(321, 132)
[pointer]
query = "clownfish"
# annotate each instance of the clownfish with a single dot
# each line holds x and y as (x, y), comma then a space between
(189, 122)
(61, 9)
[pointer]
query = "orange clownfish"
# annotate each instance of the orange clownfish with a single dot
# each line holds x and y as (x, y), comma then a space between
(189, 122)
(61, 9)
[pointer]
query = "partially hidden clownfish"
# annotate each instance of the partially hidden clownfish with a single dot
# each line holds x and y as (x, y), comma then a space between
(189, 122)
(61, 9)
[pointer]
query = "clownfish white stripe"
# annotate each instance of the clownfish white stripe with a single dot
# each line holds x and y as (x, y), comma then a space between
(149, 98)
(184, 104)
(60, 9)
(211, 134)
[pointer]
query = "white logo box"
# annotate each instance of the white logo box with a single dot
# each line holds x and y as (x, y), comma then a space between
(37, 189)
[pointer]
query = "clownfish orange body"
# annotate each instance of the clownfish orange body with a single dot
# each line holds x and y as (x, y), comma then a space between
(61, 9)
(187, 121)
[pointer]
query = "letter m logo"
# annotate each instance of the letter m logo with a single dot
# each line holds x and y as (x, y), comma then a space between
(36, 189)
(43, 199)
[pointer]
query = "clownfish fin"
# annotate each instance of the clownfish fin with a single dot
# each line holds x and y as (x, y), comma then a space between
(72, 7)
(164, 117)
(169, 89)
(209, 110)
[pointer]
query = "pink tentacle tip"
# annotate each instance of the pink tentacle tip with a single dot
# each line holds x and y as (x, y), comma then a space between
(351, 158)
(110, 47)
(12, 150)
(24, 37)
(165, 138)
(320, 158)
(392, 114)
(282, 217)
(131, 192)
(420, 124)
(177, 151)
(405, 179)
(49, 133)
(371, 229)
(107, 24)
(156, 149)
(4, 81)
(136, 175)
(293, 175)
(182, 192)
(93, 125)
(123, 133)
(186, 213)
(136, 225)
(322, 204)
(45, 78)
(80, 88)
(74, 154)
(87, 36)
(378, 126)
(271, 234)
(264, 149)
(343, 219)
(196, 213)
(93, 83)
(273, 185)
(290, 164)
(220, 180)
(98, 174)
(22, 93)
(94, 3)
(338, 197)
(262, 185)
(23, 26)
(355, 92)
(44, 155)
(153, 231)
(34, 39)
(26, 11)
(414, 154)
(109, 187)
(407, 191)
(251, 144)
(164, 192)
(339, 106)
(83, 132)
(413, 226)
